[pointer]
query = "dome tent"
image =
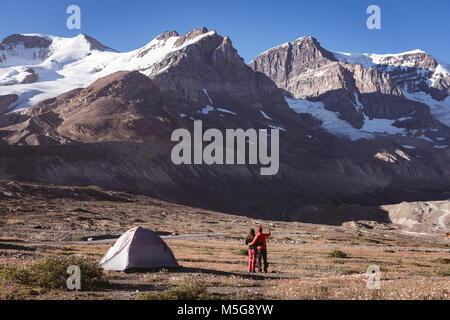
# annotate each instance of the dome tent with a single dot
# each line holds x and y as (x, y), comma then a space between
(139, 248)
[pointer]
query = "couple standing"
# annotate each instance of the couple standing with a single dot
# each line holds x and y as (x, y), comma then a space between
(257, 249)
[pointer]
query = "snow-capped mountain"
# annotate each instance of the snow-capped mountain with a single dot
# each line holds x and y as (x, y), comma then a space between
(199, 74)
(363, 95)
(38, 67)
(35, 67)
(421, 77)
(413, 70)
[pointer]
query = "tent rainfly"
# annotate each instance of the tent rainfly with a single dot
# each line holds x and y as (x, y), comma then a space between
(139, 248)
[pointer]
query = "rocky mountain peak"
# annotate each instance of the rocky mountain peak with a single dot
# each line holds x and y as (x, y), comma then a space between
(28, 41)
(412, 71)
(208, 62)
(124, 106)
(190, 35)
(95, 44)
(417, 71)
(412, 59)
(295, 56)
(357, 88)
(294, 60)
(118, 84)
(167, 34)
(307, 40)
(227, 52)
(308, 49)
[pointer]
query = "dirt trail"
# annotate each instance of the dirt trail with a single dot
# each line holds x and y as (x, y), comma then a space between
(229, 237)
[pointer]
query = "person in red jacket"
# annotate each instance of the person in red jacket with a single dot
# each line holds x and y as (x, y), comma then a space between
(261, 246)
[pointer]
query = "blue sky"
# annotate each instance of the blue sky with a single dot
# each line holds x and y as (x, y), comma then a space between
(253, 25)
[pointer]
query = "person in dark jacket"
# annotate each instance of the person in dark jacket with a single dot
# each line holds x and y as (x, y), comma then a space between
(251, 251)
(260, 241)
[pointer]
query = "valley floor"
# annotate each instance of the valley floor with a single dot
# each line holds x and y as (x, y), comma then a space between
(307, 261)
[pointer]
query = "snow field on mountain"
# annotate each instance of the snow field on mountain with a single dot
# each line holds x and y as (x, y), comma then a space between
(439, 109)
(333, 124)
(70, 63)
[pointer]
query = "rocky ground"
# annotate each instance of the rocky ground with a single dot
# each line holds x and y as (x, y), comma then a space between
(42, 220)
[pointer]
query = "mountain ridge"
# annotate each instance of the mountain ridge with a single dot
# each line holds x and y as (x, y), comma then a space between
(115, 132)
(358, 92)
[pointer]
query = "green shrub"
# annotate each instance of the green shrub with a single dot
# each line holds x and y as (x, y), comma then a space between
(337, 254)
(371, 240)
(242, 252)
(442, 260)
(350, 272)
(51, 273)
(442, 272)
